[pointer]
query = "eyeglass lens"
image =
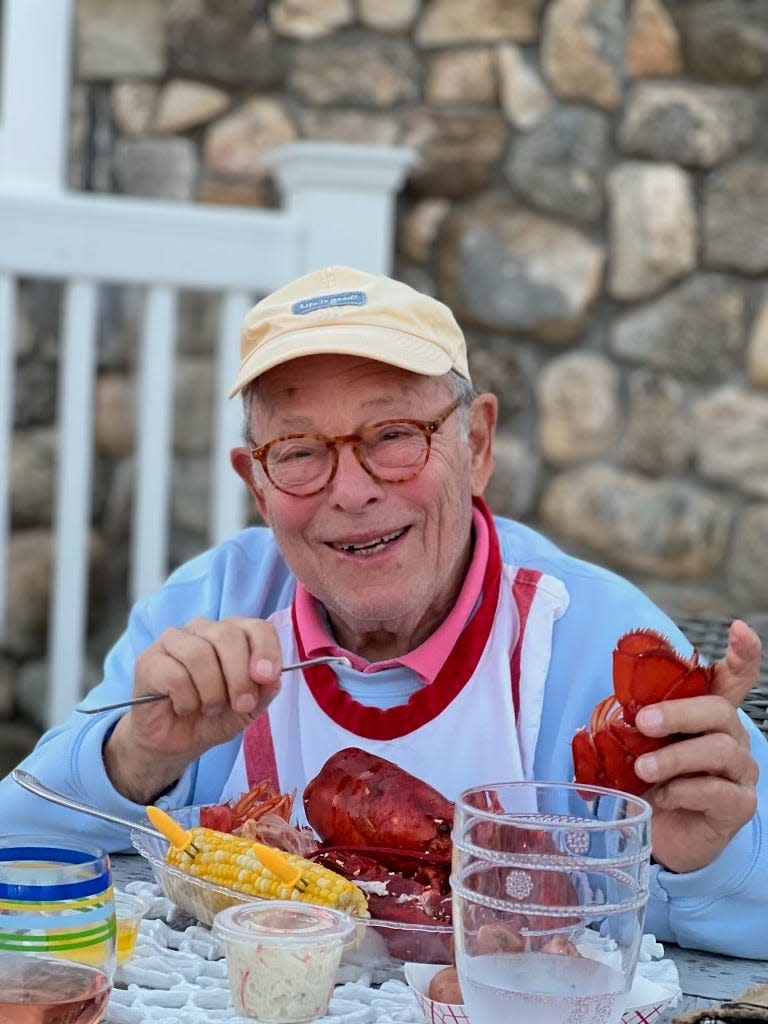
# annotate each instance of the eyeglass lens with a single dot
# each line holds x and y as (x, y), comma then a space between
(389, 451)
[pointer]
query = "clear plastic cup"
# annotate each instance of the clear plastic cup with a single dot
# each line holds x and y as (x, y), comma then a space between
(129, 910)
(282, 957)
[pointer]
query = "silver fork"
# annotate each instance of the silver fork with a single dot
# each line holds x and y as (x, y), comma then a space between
(149, 697)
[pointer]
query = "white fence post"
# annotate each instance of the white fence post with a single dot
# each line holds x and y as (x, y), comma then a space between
(344, 194)
(34, 93)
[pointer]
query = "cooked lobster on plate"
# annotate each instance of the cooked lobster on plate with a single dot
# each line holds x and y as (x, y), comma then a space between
(646, 670)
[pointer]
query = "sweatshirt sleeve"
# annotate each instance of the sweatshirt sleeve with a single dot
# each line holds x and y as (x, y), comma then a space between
(723, 907)
(69, 758)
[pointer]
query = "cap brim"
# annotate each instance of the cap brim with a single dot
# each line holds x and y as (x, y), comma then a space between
(407, 351)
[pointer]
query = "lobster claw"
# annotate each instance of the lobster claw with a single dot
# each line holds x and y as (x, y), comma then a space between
(646, 670)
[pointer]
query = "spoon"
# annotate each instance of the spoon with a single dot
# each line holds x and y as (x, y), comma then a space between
(149, 697)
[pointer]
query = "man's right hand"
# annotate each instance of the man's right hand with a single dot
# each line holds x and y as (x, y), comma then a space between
(219, 675)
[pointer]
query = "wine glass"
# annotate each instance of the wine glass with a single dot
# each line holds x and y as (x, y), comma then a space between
(57, 931)
(550, 884)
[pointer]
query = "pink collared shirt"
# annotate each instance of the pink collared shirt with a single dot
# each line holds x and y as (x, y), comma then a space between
(428, 658)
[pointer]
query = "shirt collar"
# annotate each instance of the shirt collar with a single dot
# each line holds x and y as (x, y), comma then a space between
(428, 658)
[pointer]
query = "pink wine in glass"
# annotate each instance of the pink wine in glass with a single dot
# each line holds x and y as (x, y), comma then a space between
(44, 990)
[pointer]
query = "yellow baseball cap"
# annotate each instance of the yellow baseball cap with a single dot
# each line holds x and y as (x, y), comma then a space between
(349, 312)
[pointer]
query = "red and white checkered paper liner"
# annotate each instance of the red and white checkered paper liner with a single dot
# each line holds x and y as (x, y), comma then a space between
(419, 976)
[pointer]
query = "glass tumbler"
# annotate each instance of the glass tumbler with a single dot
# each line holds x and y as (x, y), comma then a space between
(549, 887)
(57, 931)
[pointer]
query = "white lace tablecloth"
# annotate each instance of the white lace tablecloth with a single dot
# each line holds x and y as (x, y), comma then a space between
(178, 975)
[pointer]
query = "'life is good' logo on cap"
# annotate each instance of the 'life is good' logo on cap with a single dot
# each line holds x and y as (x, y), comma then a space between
(304, 306)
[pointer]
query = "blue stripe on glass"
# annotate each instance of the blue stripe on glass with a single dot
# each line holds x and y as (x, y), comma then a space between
(71, 891)
(53, 853)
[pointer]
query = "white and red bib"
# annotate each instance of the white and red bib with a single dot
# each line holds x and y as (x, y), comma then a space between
(478, 721)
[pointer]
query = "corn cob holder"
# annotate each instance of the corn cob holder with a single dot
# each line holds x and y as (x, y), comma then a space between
(253, 868)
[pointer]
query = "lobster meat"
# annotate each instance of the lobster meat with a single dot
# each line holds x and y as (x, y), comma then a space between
(646, 670)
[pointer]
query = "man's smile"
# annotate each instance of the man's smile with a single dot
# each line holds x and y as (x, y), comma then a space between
(368, 545)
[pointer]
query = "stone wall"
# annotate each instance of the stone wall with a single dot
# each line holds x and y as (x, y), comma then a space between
(591, 199)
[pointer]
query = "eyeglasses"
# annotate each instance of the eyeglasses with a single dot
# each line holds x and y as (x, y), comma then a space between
(390, 451)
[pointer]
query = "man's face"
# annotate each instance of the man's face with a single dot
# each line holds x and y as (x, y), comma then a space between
(414, 536)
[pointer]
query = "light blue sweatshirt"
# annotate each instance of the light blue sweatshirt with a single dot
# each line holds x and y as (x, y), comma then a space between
(722, 907)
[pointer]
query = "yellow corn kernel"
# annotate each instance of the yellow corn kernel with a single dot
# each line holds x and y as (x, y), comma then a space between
(232, 861)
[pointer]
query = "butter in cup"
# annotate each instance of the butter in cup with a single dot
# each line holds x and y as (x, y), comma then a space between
(282, 957)
(129, 910)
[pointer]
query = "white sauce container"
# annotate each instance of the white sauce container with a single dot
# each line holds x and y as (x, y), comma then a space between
(282, 957)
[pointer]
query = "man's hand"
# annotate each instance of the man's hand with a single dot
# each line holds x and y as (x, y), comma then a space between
(219, 677)
(704, 788)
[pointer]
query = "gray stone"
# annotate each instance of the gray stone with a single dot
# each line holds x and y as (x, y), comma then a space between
(133, 104)
(237, 145)
(461, 76)
(695, 125)
(446, 22)
(505, 268)
(726, 39)
(419, 226)
(191, 494)
(119, 37)
(34, 397)
(310, 19)
(115, 419)
(666, 528)
(558, 166)
(30, 560)
(696, 329)
(730, 437)
(198, 319)
(33, 476)
(77, 139)
(525, 98)
(7, 689)
(458, 150)
(118, 507)
(736, 217)
(681, 601)
(349, 126)
(509, 370)
(514, 484)
(227, 45)
(578, 407)
(193, 405)
(582, 50)
(748, 557)
(184, 104)
(358, 68)
(653, 228)
(658, 432)
(393, 16)
(757, 354)
(653, 42)
(161, 168)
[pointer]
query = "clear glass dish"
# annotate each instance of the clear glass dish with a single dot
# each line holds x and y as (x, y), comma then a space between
(382, 947)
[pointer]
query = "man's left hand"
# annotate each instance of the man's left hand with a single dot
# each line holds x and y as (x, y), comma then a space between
(704, 784)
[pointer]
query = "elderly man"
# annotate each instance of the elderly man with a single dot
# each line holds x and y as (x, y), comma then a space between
(477, 648)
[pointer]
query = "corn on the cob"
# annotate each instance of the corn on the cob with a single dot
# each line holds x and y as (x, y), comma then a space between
(231, 861)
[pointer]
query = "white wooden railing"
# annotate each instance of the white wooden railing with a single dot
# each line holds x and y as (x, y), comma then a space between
(338, 208)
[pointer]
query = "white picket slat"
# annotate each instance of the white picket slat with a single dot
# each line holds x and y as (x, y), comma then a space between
(154, 424)
(73, 497)
(228, 501)
(7, 351)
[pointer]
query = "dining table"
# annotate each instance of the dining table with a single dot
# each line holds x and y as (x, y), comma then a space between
(706, 979)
